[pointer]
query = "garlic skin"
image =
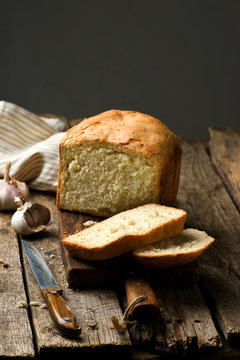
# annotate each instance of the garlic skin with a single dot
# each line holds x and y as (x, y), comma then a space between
(30, 218)
(10, 188)
(7, 194)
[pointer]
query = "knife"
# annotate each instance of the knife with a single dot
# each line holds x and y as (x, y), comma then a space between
(51, 291)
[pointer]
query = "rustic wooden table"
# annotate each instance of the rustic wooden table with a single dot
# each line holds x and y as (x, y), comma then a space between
(199, 319)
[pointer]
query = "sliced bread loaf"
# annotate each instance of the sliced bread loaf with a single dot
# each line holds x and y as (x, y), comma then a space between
(125, 231)
(116, 161)
(174, 251)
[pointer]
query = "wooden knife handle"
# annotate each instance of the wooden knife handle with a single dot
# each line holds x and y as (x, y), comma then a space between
(145, 310)
(60, 312)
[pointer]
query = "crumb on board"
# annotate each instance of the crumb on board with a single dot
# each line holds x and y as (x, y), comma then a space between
(89, 223)
(34, 303)
(23, 304)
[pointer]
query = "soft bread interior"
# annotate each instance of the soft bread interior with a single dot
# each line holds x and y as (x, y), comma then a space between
(106, 179)
(136, 222)
(189, 240)
(177, 250)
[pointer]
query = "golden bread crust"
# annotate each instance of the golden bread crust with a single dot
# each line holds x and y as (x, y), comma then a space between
(167, 261)
(134, 130)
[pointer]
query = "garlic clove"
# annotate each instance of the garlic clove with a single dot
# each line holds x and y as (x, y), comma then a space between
(7, 194)
(30, 218)
(10, 188)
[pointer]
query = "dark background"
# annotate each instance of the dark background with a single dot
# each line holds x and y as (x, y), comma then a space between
(176, 60)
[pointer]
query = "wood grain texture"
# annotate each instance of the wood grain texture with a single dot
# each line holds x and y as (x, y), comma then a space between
(209, 207)
(225, 154)
(190, 309)
(15, 331)
(186, 325)
(89, 274)
(169, 337)
(92, 308)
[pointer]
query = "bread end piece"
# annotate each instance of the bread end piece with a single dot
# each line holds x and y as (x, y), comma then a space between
(178, 250)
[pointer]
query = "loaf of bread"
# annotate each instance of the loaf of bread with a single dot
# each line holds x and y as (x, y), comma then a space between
(177, 250)
(125, 232)
(116, 161)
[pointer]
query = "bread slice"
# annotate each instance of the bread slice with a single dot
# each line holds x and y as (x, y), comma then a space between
(116, 161)
(125, 231)
(174, 251)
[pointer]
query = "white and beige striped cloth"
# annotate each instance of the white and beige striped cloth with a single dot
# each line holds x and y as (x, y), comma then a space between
(31, 144)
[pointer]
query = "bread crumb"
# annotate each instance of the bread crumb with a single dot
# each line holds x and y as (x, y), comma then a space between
(89, 223)
(34, 303)
(23, 304)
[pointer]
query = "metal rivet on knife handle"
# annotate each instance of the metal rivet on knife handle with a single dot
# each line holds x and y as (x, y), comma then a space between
(60, 311)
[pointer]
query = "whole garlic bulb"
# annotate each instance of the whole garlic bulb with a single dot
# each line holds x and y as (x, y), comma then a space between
(9, 189)
(30, 218)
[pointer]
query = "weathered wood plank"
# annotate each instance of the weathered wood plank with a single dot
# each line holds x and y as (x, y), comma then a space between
(93, 308)
(185, 325)
(209, 207)
(199, 186)
(15, 331)
(187, 322)
(225, 154)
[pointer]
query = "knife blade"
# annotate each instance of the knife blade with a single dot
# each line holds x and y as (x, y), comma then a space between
(51, 291)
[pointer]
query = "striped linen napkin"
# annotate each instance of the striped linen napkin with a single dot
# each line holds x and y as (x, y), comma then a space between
(31, 144)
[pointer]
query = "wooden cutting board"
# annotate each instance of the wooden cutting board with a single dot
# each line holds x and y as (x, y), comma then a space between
(121, 270)
(85, 274)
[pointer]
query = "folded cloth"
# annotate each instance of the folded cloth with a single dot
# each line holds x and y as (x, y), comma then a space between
(31, 144)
